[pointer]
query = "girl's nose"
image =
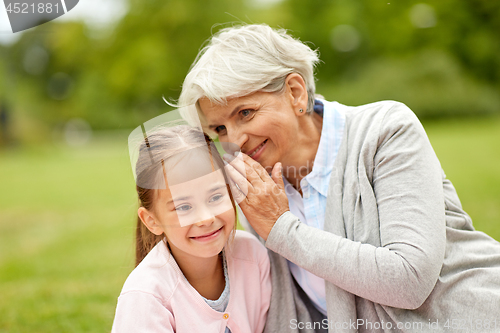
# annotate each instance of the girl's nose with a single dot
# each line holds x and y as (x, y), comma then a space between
(206, 222)
(205, 217)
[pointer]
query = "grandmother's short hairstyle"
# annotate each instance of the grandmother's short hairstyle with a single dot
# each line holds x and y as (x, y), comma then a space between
(241, 60)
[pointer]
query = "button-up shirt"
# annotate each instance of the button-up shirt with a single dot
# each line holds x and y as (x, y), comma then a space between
(310, 207)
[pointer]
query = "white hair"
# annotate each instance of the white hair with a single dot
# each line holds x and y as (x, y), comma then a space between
(241, 60)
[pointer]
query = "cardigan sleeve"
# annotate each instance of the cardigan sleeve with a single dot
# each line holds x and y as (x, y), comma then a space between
(139, 311)
(401, 177)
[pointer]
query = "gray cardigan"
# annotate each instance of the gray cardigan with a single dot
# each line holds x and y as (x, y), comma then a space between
(398, 253)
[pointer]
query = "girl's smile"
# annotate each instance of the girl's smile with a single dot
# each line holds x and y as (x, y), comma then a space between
(208, 236)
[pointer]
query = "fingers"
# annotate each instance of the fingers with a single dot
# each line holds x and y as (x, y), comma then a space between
(251, 180)
(277, 175)
(247, 167)
(238, 183)
(237, 162)
(238, 195)
(258, 169)
(250, 169)
(255, 169)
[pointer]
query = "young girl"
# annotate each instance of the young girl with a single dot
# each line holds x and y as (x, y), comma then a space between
(194, 272)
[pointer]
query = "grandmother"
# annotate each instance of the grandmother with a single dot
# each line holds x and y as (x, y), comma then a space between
(364, 230)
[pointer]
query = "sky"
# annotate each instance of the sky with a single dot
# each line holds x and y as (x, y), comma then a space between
(95, 13)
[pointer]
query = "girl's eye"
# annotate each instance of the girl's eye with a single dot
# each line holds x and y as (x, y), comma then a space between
(220, 130)
(216, 198)
(183, 208)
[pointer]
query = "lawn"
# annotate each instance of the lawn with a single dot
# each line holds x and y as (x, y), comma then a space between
(469, 151)
(66, 225)
(67, 222)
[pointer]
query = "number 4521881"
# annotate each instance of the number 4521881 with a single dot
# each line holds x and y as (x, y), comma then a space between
(25, 8)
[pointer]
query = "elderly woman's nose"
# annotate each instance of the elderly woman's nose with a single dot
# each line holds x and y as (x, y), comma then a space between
(237, 137)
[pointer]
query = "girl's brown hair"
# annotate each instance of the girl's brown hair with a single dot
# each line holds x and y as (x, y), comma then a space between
(159, 146)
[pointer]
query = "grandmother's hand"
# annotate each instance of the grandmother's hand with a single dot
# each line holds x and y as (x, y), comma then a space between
(261, 198)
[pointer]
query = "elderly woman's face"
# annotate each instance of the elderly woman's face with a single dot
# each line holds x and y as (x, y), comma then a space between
(264, 125)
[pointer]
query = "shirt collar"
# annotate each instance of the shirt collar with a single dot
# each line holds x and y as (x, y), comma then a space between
(333, 125)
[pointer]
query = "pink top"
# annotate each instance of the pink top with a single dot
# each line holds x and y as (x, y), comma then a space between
(157, 297)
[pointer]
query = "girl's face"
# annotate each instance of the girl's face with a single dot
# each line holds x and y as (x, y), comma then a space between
(197, 216)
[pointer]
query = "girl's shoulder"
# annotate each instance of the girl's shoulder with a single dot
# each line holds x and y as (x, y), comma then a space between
(157, 274)
(246, 246)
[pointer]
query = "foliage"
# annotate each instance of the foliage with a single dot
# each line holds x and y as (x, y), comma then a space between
(440, 58)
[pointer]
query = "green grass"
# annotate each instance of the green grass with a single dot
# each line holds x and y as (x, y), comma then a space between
(67, 222)
(66, 225)
(469, 151)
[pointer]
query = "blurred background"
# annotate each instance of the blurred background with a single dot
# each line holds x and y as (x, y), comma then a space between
(71, 91)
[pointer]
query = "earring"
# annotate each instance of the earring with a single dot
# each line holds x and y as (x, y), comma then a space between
(301, 110)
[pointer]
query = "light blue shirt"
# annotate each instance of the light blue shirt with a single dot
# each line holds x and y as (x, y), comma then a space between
(310, 207)
(220, 304)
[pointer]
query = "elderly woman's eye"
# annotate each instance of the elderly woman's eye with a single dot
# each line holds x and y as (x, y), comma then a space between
(245, 113)
(220, 130)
